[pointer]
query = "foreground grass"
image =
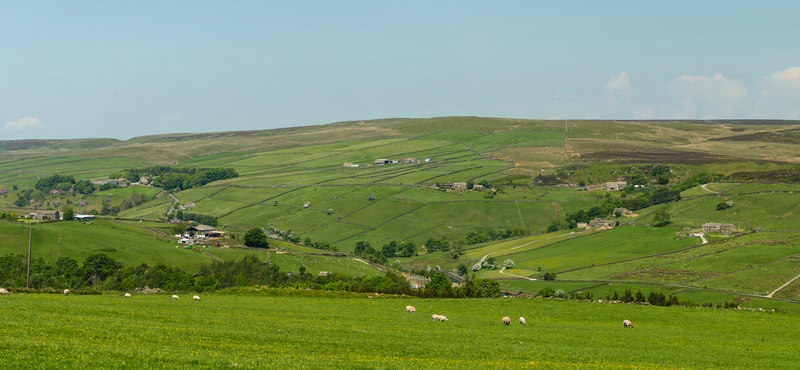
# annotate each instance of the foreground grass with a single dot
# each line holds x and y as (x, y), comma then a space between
(261, 331)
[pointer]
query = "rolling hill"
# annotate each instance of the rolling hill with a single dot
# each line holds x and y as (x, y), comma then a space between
(536, 168)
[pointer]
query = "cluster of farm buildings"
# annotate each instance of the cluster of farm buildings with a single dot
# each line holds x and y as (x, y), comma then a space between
(198, 233)
(385, 161)
(54, 216)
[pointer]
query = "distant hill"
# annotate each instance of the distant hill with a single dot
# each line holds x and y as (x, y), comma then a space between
(321, 184)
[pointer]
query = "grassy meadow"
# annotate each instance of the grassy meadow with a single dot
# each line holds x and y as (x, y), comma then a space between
(263, 330)
(134, 243)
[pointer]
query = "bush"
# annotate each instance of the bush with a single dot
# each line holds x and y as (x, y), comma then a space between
(255, 238)
(550, 276)
(546, 292)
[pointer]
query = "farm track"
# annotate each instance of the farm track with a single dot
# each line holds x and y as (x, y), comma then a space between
(783, 286)
(650, 256)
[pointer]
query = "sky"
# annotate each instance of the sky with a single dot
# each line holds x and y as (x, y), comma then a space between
(121, 69)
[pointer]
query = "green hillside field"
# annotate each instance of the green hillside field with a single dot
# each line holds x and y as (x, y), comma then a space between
(264, 329)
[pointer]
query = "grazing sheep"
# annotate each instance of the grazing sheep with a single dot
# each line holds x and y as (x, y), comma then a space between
(127, 295)
(442, 318)
(174, 296)
(411, 309)
(627, 324)
(196, 298)
(506, 320)
(66, 291)
(4, 291)
(435, 317)
(522, 320)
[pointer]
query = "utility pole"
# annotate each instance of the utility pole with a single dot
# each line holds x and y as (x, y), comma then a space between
(30, 239)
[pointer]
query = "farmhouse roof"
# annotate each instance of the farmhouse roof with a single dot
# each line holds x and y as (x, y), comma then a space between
(200, 227)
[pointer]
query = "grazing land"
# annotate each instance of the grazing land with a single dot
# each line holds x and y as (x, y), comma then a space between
(265, 329)
(538, 172)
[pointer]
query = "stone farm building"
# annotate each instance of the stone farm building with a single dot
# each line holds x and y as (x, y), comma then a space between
(616, 185)
(602, 222)
(460, 186)
(622, 211)
(204, 230)
(46, 215)
(714, 227)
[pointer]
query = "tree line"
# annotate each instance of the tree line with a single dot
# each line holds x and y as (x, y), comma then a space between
(177, 178)
(101, 272)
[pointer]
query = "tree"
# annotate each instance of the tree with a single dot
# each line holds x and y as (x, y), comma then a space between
(361, 246)
(405, 249)
(470, 184)
(638, 179)
(462, 269)
(178, 229)
(549, 275)
(84, 187)
(389, 250)
(508, 264)
(67, 212)
(485, 288)
(255, 238)
(439, 286)
(662, 216)
(100, 266)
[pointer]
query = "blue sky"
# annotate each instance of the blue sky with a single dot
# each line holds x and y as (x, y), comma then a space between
(124, 69)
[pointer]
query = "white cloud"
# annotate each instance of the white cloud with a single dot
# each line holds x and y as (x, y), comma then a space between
(709, 97)
(618, 92)
(25, 124)
(789, 76)
(619, 85)
(780, 94)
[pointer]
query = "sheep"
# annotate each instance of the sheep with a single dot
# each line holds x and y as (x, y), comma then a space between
(627, 324)
(196, 298)
(127, 295)
(522, 320)
(435, 317)
(442, 318)
(175, 296)
(66, 291)
(411, 309)
(4, 291)
(506, 320)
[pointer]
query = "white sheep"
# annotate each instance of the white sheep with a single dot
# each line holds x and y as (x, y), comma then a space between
(522, 320)
(196, 298)
(627, 324)
(66, 291)
(127, 295)
(435, 317)
(506, 320)
(4, 291)
(411, 309)
(175, 296)
(442, 318)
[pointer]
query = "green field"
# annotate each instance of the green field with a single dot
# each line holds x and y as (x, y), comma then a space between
(267, 331)
(134, 243)
(282, 169)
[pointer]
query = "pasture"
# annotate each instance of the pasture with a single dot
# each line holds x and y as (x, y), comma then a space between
(134, 243)
(265, 329)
